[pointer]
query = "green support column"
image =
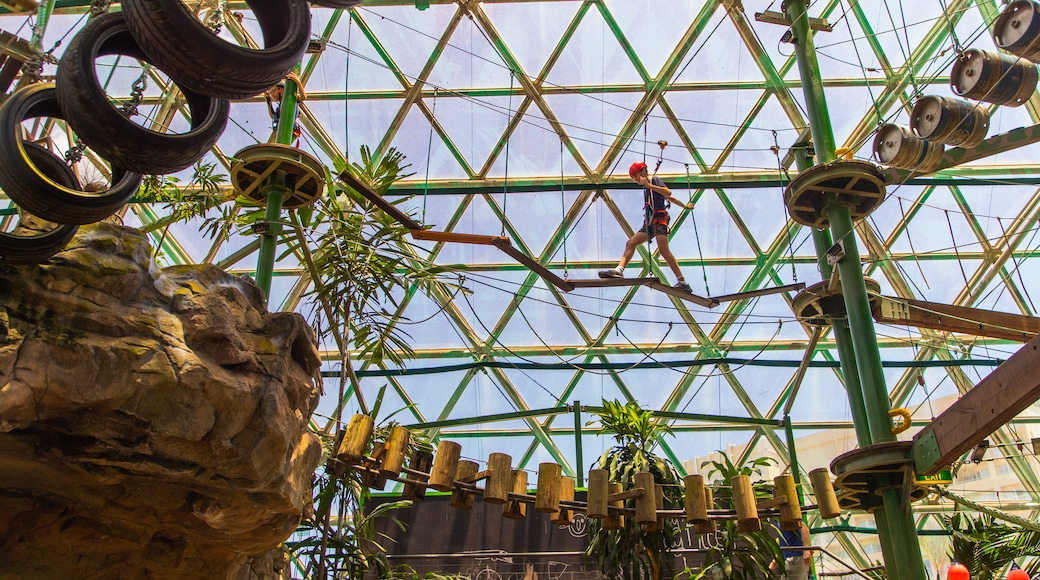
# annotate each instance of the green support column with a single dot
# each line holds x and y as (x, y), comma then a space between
(579, 466)
(896, 529)
(842, 337)
(43, 16)
(275, 191)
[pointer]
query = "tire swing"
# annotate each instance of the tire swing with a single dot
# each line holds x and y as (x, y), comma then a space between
(33, 190)
(33, 249)
(195, 57)
(108, 130)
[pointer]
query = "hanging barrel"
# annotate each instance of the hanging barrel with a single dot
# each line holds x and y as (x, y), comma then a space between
(598, 490)
(986, 75)
(516, 509)
(547, 497)
(897, 146)
(615, 520)
(352, 447)
(465, 472)
(949, 121)
(708, 526)
(696, 507)
(564, 517)
(826, 500)
(445, 463)
(1017, 29)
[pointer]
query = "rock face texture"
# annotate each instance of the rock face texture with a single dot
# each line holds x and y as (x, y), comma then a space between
(153, 423)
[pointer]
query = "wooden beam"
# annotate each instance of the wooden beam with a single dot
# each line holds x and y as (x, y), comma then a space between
(532, 264)
(15, 46)
(760, 292)
(614, 282)
(687, 296)
(997, 399)
(962, 319)
(390, 209)
(433, 236)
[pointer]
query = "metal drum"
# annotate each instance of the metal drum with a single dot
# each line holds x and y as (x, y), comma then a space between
(950, 121)
(1017, 29)
(989, 76)
(897, 146)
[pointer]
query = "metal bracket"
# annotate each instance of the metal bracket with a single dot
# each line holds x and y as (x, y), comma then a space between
(925, 452)
(835, 253)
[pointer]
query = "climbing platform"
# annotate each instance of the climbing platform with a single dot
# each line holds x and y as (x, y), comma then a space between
(256, 165)
(857, 184)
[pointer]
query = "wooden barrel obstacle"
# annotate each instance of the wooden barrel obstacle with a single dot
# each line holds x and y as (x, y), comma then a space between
(606, 501)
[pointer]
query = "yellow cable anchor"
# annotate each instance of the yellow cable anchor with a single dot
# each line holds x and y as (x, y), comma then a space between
(905, 414)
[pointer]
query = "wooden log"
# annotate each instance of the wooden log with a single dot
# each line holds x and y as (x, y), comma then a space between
(696, 508)
(500, 482)
(744, 502)
(565, 516)
(421, 460)
(445, 463)
(708, 526)
(823, 489)
(597, 500)
(790, 510)
(465, 472)
(355, 439)
(646, 505)
(396, 447)
(515, 509)
(615, 520)
(547, 497)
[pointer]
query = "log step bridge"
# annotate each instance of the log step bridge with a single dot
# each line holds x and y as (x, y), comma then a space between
(418, 232)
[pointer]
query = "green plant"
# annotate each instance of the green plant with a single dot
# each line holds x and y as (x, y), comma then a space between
(737, 555)
(987, 546)
(631, 552)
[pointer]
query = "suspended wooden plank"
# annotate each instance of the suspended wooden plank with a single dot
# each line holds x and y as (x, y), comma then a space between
(997, 399)
(699, 300)
(532, 264)
(951, 318)
(390, 209)
(614, 282)
(759, 292)
(433, 236)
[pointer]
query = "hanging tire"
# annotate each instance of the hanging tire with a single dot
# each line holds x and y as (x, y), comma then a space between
(194, 57)
(33, 249)
(103, 128)
(30, 188)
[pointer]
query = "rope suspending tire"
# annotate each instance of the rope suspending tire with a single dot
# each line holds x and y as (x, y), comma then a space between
(106, 130)
(195, 57)
(32, 249)
(32, 189)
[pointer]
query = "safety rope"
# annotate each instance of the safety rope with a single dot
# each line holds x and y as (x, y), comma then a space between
(999, 514)
(563, 214)
(505, 179)
(429, 152)
(697, 235)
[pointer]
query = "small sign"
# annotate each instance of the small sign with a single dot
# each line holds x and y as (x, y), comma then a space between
(944, 477)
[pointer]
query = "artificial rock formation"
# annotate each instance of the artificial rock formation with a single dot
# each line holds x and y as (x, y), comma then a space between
(153, 423)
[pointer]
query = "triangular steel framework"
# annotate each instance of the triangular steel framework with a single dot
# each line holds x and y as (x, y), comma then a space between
(726, 95)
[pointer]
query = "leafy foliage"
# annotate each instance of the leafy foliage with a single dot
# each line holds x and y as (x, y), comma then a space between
(631, 552)
(737, 555)
(986, 546)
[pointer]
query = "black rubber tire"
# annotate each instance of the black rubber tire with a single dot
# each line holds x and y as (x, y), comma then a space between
(106, 130)
(15, 249)
(194, 57)
(345, 4)
(31, 189)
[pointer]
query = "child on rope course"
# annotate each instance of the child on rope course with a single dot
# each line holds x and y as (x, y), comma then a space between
(656, 198)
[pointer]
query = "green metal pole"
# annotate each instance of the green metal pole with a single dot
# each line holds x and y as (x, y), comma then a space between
(579, 466)
(896, 529)
(43, 16)
(275, 191)
(842, 337)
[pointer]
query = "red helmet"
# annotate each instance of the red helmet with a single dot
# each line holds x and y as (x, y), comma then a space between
(636, 168)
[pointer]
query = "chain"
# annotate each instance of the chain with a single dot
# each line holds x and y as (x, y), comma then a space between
(75, 153)
(99, 7)
(32, 69)
(136, 94)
